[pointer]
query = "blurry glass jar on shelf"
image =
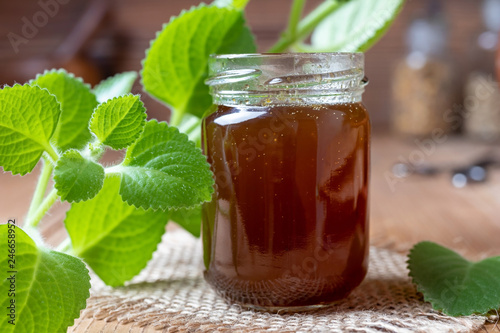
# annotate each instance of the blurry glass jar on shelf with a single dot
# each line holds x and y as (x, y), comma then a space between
(498, 59)
(423, 89)
(482, 94)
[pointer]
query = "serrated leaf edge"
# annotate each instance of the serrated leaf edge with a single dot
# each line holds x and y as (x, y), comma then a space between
(51, 142)
(165, 208)
(158, 33)
(68, 74)
(111, 100)
(379, 33)
(153, 41)
(147, 261)
(87, 278)
(56, 177)
(68, 212)
(40, 247)
(61, 71)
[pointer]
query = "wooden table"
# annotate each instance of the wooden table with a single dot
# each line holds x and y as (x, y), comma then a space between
(403, 211)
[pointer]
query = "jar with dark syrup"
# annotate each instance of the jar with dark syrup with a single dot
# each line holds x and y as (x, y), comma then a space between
(288, 140)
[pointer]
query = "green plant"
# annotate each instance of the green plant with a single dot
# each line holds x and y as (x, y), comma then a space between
(118, 213)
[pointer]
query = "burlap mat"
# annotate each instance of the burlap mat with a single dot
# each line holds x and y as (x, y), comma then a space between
(171, 295)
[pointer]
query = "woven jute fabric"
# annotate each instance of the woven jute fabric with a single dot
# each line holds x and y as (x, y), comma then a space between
(172, 296)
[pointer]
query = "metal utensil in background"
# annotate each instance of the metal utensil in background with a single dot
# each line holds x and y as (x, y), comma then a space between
(475, 172)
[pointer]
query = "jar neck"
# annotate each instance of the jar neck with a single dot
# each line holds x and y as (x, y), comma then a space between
(286, 79)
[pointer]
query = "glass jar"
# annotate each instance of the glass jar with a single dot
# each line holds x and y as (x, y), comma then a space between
(481, 89)
(288, 142)
(423, 83)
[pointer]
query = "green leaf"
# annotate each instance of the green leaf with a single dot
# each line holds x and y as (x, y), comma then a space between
(50, 287)
(77, 178)
(115, 86)
(452, 284)
(355, 26)
(115, 239)
(164, 170)
(237, 4)
(28, 119)
(175, 66)
(189, 219)
(77, 103)
(119, 122)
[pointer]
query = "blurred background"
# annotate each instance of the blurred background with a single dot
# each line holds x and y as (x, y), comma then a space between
(432, 44)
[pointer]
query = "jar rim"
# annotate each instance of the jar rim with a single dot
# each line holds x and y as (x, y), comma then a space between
(289, 78)
(284, 54)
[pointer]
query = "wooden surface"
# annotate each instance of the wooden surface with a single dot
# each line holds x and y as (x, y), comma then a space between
(414, 209)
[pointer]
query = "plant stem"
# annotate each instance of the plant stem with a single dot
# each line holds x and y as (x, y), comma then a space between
(306, 26)
(114, 171)
(93, 150)
(65, 246)
(175, 118)
(295, 14)
(41, 187)
(52, 153)
(44, 207)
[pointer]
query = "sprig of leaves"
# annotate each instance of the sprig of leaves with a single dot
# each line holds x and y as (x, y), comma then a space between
(453, 284)
(118, 213)
(162, 170)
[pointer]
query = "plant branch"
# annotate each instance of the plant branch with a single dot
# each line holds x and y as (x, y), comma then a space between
(41, 187)
(175, 117)
(295, 14)
(307, 25)
(44, 207)
(114, 171)
(52, 153)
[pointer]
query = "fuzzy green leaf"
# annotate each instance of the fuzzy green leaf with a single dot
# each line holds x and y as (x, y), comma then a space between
(115, 86)
(115, 239)
(28, 119)
(355, 26)
(189, 219)
(77, 103)
(119, 122)
(453, 284)
(175, 67)
(77, 178)
(50, 287)
(238, 4)
(164, 170)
